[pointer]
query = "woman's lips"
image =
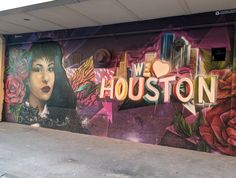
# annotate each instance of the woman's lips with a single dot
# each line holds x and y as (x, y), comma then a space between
(45, 89)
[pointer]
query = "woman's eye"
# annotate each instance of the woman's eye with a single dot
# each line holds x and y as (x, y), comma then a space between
(51, 69)
(36, 69)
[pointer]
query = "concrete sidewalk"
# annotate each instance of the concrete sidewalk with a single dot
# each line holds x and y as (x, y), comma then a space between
(30, 152)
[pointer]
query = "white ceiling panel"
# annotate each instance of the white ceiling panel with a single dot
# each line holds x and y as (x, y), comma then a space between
(104, 11)
(63, 16)
(66, 14)
(197, 6)
(151, 9)
(13, 28)
(29, 21)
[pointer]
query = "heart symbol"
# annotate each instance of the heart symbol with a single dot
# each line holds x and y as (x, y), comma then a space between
(160, 68)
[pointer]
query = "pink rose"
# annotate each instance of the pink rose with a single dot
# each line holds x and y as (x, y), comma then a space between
(15, 90)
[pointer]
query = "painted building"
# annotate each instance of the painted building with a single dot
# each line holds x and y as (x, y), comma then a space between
(168, 82)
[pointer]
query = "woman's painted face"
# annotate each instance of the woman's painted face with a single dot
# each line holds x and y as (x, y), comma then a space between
(41, 79)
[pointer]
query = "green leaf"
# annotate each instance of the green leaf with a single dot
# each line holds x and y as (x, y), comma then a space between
(234, 65)
(211, 65)
(202, 146)
(15, 110)
(181, 126)
(199, 121)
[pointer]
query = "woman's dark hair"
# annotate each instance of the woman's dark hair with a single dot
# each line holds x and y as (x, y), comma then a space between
(62, 94)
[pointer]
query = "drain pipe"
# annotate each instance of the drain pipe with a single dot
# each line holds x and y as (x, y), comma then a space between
(2, 67)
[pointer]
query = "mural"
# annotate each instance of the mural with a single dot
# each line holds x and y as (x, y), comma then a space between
(37, 88)
(172, 88)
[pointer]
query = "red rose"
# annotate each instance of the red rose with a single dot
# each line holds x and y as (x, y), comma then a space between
(226, 84)
(15, 90)
(219, 130)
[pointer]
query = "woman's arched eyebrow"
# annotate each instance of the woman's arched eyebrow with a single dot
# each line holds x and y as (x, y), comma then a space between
(51, 64)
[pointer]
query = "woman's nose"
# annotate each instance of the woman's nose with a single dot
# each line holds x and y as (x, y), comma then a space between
(45, 77)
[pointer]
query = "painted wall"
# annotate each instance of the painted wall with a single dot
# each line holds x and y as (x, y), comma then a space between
(159, 88)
